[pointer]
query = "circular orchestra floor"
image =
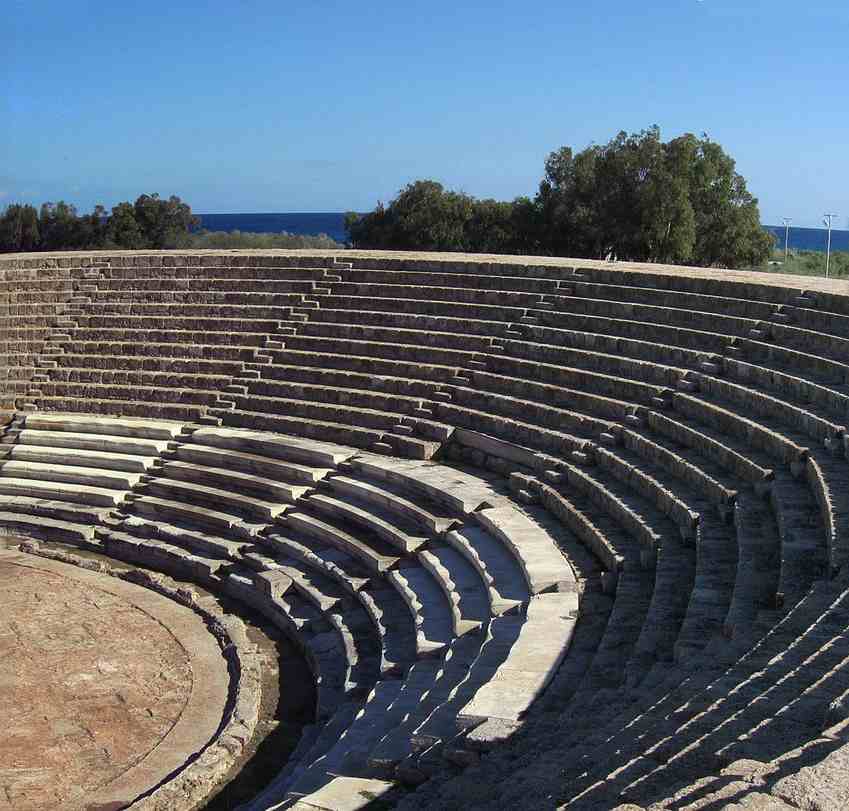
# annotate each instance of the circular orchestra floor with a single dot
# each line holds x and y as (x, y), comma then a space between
(105, 687)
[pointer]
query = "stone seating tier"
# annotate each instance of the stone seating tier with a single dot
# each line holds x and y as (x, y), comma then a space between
(685, 434)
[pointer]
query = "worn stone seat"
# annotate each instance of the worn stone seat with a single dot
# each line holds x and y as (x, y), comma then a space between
(188, 536)
(148, 270)
(393, 350)
(179, 512)
(456, 490)
(376, 557)
(651, 313)
(189, 490)
(358, 364)
(119, 332)
(427, 515)
(46, 441)
(172, 324)
(413, 321)
(259, 487)
(206, 284)
(399, 533)
(69, 473)
(427, 279)
(127, 390)
(382, 333)
(455, 308)
(118, 377)
(835, 347)
(352, 398)
(640, 474)
(377, 423)
(679, 299)
(182, 310)
(388, 613)
(60, 491)
(300, 451)
(154, 363)
(46, 527)
(304, 426)
(84, 515)
(799, 361)
(455, 294)
(348, 618)
(152, 351)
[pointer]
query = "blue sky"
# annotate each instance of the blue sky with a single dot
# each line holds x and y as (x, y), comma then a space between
(271, 106)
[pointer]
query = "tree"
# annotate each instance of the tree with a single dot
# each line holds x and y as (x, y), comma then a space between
(426, 217)
(123, 231)
(148, 223)
(19, 229)
(164, 223)
(92, 228)
(58, 227)
(639, 198)
(727, 219)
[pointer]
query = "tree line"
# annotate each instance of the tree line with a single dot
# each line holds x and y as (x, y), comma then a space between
(634, 198)
(150, 222)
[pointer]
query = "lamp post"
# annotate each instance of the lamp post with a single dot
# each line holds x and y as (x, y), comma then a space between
(827, 220)
(786, 221)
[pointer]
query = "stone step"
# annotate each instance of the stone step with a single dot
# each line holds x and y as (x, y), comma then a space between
(162, 556)
(61, 491)
(251, 463)
(258, 487)
(376, 520)
(375, 558)
(388, 612)
(466, 592)
(498, 568)
(428, 604)
(224, 524)
(190, 492)
(456, 669)
(193, 540)
(424, 512)
(90, 424)
(44, 528)
(525, 652)
(347, 754)
(288, 448)
(107, 460)
(543, 565)
(70, 512)
(88, 476)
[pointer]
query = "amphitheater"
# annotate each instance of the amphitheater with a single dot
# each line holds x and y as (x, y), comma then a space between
(477, 532)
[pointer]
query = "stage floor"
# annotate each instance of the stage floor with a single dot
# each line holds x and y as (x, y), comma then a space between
(104, 686)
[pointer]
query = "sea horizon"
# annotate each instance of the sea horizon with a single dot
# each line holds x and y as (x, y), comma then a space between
(332, 223)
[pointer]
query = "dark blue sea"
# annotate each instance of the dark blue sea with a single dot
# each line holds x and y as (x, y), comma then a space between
(333, 224)
(810, 239)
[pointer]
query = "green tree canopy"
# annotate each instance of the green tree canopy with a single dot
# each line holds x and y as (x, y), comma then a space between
(122, 230)
(636, 198)
(424, 216)
(164, 223)
(19, 229)
(148, 223)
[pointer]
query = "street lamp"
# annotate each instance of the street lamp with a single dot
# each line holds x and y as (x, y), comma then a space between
(826, 221)
(786, 221)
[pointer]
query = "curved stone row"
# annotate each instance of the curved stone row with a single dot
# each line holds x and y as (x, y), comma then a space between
(425, 602)
(681, 438)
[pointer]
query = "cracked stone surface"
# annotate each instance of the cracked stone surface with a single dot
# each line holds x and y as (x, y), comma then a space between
(89, 685)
